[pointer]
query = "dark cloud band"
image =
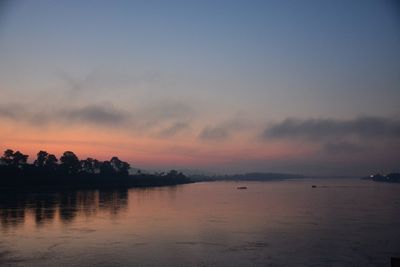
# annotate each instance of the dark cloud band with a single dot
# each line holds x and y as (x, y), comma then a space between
(317, 129)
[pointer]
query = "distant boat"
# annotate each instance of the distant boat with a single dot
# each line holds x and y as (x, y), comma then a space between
(242, 187)
(313, 186)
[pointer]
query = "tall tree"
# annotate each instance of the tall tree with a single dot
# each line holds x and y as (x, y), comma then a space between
(15, 159)
(20, 159)
(120, 167)
(7, 157)
(106, 168)
(41, 159)
(88, 165)
(51, 162)
(70, 162)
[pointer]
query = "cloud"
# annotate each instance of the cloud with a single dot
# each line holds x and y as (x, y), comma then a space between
(162, 112)
(166, 119)
(96, 114)
(342, 147)
(223, 130)
(214, 133)
(320, 129)
(76, 85)
(173, 129)
(163, 119)
(11, 111)
(19, 112)
(99, 81)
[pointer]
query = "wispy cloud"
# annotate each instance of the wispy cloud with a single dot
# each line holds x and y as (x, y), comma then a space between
(164, 119)
(342, 147)
(11, 111)
(167, 111)
(173, 129)
(224, 129)
(214, 133)
(320, 129)
(77, 85)
(95, 114)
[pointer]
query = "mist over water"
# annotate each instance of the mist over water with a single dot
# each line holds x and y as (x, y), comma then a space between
(342, 222)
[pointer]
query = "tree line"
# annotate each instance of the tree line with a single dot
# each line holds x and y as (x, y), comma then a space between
(47, 169)
(68, 163)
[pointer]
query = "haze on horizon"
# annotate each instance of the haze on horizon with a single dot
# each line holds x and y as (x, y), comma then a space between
(310, 87)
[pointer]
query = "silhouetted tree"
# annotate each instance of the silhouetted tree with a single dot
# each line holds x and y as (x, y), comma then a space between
(172, 173)
(106, 168)
(70, 162)
(119, 166)
(96, 166)
(19, 159)
(86, 165)
(14, 159)
(71, 172)
(51, 162)
(90, 165)
(41, 159)
(7, 157)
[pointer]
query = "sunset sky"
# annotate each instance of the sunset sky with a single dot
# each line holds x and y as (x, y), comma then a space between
(310, 87)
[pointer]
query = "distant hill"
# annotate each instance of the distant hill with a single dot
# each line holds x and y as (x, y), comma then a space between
(252, 176)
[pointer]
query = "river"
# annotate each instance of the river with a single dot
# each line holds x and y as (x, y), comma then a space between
(341, 222)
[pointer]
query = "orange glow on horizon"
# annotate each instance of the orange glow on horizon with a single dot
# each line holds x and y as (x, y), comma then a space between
(144, 151)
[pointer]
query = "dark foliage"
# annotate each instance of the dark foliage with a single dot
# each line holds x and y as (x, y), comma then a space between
(72, 172)
(389, 178)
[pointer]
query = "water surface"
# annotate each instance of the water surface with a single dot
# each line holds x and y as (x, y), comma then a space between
(283, 223)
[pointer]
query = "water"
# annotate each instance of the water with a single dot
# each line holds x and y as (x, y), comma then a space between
(283, 223)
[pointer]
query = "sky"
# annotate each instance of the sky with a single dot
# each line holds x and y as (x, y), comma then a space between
(308, 87)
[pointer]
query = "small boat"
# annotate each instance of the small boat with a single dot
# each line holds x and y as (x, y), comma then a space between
(313, 186)
(242, 187)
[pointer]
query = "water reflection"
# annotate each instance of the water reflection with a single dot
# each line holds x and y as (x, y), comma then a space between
(283, 223)
(46, 207)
